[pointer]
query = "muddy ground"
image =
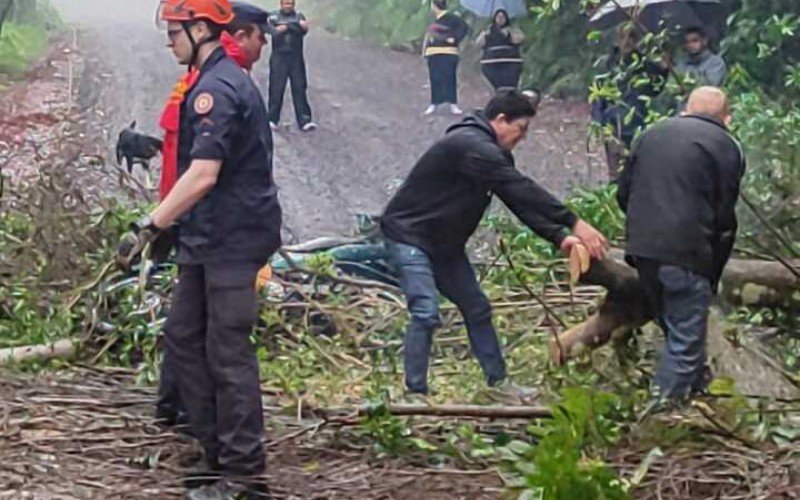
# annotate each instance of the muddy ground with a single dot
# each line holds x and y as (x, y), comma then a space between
(367, 100)
(88, 434)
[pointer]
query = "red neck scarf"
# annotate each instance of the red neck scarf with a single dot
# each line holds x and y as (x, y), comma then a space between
(171, 116)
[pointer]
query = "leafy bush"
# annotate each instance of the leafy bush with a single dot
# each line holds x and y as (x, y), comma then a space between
(770, 135)
(19, 45)
(763, 43)
(566, 462)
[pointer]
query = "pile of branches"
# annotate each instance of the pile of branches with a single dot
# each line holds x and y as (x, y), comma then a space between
(88, 433)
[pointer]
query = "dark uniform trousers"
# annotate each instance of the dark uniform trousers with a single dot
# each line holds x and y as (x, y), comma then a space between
(288, 67)
(443, 72)
(209, 347)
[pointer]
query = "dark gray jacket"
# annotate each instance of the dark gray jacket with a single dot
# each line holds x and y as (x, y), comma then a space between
(706, 68)
(444, 198)
(679, 192)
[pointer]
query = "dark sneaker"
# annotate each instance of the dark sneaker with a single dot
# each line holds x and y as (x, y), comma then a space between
(415, 398)
(507, 392)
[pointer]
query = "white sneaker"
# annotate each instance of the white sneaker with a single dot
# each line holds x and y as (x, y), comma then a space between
(273, 126)
(308, 127)
(455, 110)
(431, 110)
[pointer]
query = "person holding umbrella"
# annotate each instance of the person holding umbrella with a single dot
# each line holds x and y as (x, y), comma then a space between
(441, 50)
(502, 55)
(637, 79)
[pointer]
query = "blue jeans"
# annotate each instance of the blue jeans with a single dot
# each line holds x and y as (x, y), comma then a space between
(681, 300)
(421, 280)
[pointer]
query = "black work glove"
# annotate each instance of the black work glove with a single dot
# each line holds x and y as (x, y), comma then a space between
(134, 242)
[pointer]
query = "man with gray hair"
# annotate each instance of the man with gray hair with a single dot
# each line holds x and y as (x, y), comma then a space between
(679, 191)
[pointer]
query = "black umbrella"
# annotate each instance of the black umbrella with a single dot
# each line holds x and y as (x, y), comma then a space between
(656, 15)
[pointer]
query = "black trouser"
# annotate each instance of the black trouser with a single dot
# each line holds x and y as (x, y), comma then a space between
(443, 69)
(283, 68)
(169, 407)
(503, 75)
(208, 342)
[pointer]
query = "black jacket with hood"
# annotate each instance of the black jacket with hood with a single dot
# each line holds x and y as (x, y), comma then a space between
(447, 192)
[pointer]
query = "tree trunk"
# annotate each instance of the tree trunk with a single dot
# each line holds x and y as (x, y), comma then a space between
(625, 307)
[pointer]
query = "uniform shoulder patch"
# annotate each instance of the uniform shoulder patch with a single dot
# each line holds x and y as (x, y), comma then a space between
(203, 103)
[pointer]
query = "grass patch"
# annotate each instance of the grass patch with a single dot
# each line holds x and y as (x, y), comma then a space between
(19, 45)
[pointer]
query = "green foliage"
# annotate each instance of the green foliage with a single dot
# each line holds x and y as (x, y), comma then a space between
(24, 34)
(27, 317)
(599, 208)
(556, 55)
(19, 45)
(763, 43)
(770, 135)
(787, 345)
(566, 462)
(390, 22)
(389, 435)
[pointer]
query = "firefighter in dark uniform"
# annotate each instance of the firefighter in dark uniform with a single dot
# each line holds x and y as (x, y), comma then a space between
(228, 219)
(288, 64)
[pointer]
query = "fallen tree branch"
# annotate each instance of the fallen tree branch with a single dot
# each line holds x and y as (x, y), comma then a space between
(521, 279)
(449, 410)
(625, 307)
(342, 280)
(58, 349)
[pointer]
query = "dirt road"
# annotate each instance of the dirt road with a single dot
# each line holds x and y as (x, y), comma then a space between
(367, 100)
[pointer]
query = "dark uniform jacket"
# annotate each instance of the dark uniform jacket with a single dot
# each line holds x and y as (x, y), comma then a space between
(290, 42)
(445, 35)
(224, 118)
(679, 192)
(444, 198)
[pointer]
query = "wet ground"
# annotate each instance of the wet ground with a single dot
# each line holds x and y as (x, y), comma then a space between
(367, 100)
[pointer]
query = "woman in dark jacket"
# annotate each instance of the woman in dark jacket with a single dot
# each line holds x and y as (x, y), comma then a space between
(441, 50)
(502, 52)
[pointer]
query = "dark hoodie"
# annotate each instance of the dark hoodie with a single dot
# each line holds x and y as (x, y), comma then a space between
(444, 198)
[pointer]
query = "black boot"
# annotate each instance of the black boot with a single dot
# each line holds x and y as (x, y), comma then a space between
(225, 489)
(202, 473)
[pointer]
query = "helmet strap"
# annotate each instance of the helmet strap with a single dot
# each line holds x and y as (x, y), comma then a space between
(196, 45)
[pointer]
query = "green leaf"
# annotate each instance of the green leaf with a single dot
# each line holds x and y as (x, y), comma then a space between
(421, 444)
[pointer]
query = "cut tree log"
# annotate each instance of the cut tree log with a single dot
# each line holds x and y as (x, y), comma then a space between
(58, 349)
(625, 306)
(455, 411)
